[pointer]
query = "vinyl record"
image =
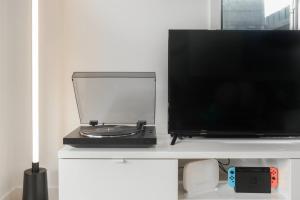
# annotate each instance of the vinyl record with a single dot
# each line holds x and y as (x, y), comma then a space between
(109, 131)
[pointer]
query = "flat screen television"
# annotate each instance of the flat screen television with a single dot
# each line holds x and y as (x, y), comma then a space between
(234, 83)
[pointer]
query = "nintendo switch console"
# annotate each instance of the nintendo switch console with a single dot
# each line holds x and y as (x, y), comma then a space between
(253, 179)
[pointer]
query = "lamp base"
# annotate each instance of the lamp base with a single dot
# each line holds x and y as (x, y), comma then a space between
(35, 185)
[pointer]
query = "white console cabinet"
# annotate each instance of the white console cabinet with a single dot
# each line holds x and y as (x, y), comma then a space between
(152, 173)
(138, 179)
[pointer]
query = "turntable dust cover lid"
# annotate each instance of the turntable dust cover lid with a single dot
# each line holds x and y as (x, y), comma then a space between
(115, 97)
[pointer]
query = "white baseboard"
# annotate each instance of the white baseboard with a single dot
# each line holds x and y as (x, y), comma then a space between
(16, 194)
(7, 195)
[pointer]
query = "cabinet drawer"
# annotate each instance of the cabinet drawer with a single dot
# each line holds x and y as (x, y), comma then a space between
(118, 179)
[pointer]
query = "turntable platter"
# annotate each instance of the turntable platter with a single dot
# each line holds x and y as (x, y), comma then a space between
(108, 131)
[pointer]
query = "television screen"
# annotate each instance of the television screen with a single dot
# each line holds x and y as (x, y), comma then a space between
(234, 83)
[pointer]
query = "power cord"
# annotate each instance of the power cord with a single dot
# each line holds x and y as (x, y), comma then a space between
(221, 165)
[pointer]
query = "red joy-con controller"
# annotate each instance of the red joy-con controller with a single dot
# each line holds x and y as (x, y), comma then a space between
(274, 177)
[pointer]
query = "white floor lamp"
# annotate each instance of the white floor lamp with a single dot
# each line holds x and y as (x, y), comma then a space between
(35, 179)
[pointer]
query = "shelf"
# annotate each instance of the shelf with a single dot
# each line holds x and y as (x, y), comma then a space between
(195, 148)
(223, 192)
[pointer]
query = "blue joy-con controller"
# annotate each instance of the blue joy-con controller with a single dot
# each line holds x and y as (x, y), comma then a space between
(231, 177)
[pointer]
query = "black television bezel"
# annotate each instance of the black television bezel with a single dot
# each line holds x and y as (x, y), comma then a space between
(223, 134)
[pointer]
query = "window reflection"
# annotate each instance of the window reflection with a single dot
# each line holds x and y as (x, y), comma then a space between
(257, 14)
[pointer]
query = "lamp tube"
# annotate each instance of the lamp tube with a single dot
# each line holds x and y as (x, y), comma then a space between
(35, 81)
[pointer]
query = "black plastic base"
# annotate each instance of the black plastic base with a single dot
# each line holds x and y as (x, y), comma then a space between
(144, 139)
(174, 139)
(35, 185)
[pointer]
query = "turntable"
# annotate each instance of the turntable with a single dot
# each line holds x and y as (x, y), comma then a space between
(116, 109)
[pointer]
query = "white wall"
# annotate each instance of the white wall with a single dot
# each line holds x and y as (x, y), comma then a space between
(76, 35)
(17, 89)
(20, 82)
(118, 35)
(215, 14)
(51, 85)
(14, 85)
(6, 182)
(80, 35)
(103, 35)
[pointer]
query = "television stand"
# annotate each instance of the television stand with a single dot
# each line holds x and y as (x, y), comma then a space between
(115, 173)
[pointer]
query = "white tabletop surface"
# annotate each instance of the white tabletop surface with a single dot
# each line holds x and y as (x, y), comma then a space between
(195, 148)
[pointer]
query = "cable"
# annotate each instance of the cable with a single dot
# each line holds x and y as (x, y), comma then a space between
(222, 168)
(228, 162)
(221, 165)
